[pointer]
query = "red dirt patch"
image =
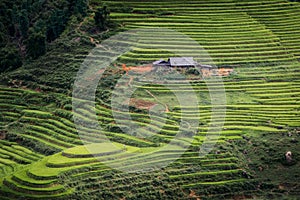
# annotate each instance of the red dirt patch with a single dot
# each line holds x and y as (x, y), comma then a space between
(141, 104)
(141, 69)
(218, 72)
(225, 71)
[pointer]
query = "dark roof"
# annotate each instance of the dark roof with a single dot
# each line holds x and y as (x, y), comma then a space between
(182, 61)
(160, 62)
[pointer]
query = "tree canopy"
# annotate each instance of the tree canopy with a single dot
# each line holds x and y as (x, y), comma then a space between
(26, 26)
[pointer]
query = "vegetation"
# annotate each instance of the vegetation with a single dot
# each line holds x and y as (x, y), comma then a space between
(27, 26)
(101, 18)
(42, 46)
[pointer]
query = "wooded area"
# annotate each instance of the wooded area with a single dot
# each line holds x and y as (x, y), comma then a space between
(27, 26)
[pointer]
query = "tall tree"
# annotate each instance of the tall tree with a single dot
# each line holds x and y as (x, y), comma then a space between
(15, 22)
(36, 43)
(10, 58)
(23, 23)
(102, 18)
(3, 37)
(81, 7)
(56, 25)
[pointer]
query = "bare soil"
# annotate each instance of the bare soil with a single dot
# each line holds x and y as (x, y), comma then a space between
(141, 104)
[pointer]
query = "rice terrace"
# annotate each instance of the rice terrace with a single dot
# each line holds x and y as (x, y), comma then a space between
(144, 100)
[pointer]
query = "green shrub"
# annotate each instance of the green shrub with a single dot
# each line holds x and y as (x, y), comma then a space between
(10, 58)
(32, 145)
(193, 71)
(68, 107)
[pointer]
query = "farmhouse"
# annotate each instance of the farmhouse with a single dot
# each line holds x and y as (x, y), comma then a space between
(188, 62)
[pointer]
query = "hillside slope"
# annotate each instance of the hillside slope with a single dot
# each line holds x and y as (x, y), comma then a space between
(42, 154)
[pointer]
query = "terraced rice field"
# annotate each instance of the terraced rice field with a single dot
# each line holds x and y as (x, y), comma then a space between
(243, 31)
(261, 112)
(43, 157)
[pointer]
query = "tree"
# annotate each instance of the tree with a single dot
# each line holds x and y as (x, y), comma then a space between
(36, 43)
(23, 23)
(10, 58)
(81, 7)
(3, 35)
(102, 18)
(56, 25)
(78, 7)
(15, 21)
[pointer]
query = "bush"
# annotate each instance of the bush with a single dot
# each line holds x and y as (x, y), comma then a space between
(10, 58)
(193, 71)
(32, 145)
(68, 107)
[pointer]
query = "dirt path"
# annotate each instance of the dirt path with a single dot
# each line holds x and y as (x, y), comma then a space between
(166, 106)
